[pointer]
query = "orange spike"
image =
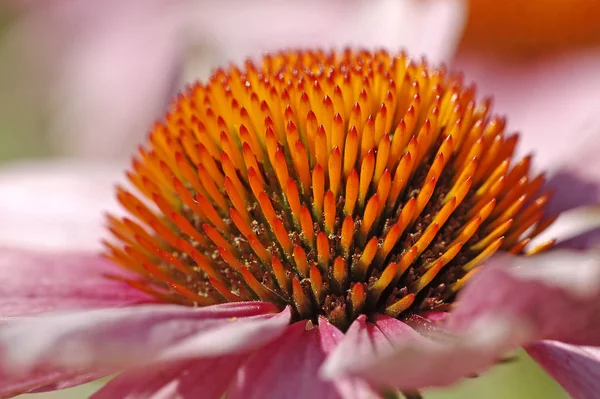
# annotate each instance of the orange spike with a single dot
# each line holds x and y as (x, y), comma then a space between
(282, 235)
(460, 283)
(386, 277)
(518, 248)
(230, 259)
(366, 174)
(397, 229)
(426, 278)
(281, 169)
(424, 196)
(218, 239)
(369, 217)
(301, 300)
(224, 291)
(267, 207)
(368, 139)
(283, 281)
(400, 305)
(360, 268)
(352, 189)
(357, 299)
(237, 201)
(293, 199)
(192, 296)
(307, 226)
(337, 134)
(484, 255)
(383, 189)
(301, 261)
(321, 147)
(541, 248)
(406, 260)
(323, 250)
(448, 255)
(329, 212)
(398, 144)
(209, 185)
(260, 290)
(383, 152)
(316, 282)
(400, 179)
(318, 188)
(335, 170)
(350, 151)
(302, 166)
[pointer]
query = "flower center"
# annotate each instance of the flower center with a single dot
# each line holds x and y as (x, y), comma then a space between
(337, 183)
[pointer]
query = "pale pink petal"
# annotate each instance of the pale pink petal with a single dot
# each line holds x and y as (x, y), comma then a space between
(286, 369)
(575, 228)
(430, 27)
(135, 335)
(207, 378)
(34, 282)
(555, 296)
(57, 205)
(576, 368)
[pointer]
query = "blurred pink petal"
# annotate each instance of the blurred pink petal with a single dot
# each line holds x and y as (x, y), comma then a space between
(110, 68)
(134, 335)
(58, 204)
(207, 378)
(576, 368)
(430, 27)
(554, 296)
(552, 100)
(36, 282)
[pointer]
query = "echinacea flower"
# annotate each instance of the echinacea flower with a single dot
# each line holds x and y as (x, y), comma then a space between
(315, 226)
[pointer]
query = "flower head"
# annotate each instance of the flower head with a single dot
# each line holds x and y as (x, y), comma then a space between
(336, 184)
(302, 229)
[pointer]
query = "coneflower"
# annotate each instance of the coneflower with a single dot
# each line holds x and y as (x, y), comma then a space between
(313, 227)
(338, 184)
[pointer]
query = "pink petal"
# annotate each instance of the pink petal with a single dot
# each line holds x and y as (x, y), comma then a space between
(34, 282)
(576, 368)
(391, 355)
(115, 338)
(207, 378)
(555, 296)
(286, 368)
(350, 388)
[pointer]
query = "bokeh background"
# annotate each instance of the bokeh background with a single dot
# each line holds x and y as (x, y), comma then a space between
(82, 80)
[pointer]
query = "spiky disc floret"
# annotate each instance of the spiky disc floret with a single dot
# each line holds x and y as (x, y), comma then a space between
(337, 183)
